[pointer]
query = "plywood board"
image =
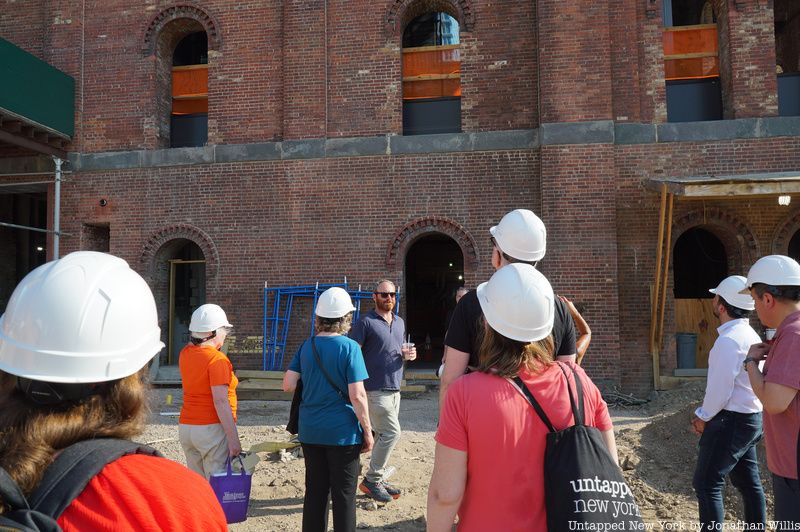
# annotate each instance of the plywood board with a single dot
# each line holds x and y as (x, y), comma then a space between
(697, 316)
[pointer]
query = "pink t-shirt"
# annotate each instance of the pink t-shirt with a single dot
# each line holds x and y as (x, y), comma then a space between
(488, 418)
(783, 367)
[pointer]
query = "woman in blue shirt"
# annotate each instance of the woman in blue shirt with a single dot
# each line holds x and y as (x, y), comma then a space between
(334, 423)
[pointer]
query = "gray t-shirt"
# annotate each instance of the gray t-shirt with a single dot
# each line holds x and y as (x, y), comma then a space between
(381, 344)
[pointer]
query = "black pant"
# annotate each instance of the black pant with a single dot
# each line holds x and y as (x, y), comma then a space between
(787, 502)
(330, 469)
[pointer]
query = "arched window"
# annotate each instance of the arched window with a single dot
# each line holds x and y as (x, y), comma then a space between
(691, 61)
(189, 115)
(787, 56)
(431, 75)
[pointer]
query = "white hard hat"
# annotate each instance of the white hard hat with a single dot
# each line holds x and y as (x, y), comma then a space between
(518, 303)
(207, 318)
(84, 318)
(774, 270)
(334, 303)
(521, 235)
(730, 289)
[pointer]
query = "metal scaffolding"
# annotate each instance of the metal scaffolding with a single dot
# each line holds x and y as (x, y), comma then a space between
(278, 304)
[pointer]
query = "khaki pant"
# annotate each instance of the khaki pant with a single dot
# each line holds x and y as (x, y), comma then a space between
(384, 410)
(205, 447)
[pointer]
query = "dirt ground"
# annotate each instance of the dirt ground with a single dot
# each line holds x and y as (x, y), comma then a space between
(656, 448)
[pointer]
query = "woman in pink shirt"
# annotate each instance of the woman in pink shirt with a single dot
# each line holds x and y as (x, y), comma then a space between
(490, 443)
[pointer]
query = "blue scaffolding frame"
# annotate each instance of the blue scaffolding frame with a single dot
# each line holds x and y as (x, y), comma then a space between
(278, 304)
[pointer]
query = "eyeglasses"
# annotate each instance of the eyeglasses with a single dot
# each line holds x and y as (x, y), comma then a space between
(386, 294)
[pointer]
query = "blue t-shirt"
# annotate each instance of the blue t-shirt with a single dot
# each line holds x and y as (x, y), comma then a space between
(381, 344)
(325, 418)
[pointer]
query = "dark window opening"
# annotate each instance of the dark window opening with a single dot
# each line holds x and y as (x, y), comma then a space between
(691, 61)
(21, 250)
(192, 50)
(688, 12)
(189, 117)
(434, 271)
(431, 75)
(700, 262)
(96, 237)
(787, 56)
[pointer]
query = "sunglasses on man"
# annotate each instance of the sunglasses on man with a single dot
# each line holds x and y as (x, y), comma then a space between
(386, 294)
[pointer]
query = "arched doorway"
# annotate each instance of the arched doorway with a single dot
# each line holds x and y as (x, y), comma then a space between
(700, 262)
(180, 288)
(434, 269)
(794, 246)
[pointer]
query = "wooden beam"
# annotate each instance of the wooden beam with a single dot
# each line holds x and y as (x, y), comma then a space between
(654, 297)
(417, 49)
(727, 190)
(432, 77)
(665, 271)
(31, 144)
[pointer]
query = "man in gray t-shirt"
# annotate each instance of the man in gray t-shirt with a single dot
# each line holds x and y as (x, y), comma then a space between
(381, 334)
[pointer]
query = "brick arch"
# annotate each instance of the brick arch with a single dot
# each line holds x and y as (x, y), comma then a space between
(176, 12)
(176, 231)
(402, 12)
(784, 233)
(739, 241)
(412, 231)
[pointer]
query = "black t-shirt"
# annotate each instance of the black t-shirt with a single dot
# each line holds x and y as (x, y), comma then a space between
(466, 328)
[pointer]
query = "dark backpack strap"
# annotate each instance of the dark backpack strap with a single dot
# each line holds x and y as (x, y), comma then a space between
(534, 403)
(72, 470)
(577, 410)
(345, 397)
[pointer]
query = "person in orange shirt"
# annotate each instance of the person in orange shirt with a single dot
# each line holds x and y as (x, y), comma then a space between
(207, 424)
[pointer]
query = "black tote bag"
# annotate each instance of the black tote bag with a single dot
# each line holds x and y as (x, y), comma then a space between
(584, 487)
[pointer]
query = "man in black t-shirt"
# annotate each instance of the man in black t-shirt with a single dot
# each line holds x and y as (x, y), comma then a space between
(519, 237)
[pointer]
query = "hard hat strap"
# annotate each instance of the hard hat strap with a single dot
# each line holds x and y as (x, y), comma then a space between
(198, 341)
(53, 393)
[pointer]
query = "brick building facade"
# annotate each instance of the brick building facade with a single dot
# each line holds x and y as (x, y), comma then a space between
(307, 176)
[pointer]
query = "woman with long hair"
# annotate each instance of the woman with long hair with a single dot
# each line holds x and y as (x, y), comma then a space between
(490, 444)
(75, 342)
(334, 416)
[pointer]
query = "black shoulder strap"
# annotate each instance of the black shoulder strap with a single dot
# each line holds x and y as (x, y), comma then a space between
(345, 397)
(72, 470)
(534, 403)
(577, 410)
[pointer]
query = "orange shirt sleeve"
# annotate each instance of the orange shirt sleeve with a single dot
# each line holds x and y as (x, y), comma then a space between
(220, 372)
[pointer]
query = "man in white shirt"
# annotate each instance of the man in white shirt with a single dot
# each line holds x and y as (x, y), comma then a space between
(729, 421)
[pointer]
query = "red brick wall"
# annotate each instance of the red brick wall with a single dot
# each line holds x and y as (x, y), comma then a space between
(747, 59)
(581, 259)
(574, 55)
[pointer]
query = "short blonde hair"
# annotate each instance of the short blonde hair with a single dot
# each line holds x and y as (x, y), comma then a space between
(334, 325)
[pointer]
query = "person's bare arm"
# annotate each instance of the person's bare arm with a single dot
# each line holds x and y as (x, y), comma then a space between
(582, 327)
(290, 379)
(611, 444)
(446, 489)
(225, 414)
(775, 397)
(454, 368)
(358, 398)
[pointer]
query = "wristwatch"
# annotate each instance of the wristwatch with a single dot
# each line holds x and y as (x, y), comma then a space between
(749, 359)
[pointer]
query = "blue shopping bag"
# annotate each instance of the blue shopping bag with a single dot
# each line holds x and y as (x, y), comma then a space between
(233, 491)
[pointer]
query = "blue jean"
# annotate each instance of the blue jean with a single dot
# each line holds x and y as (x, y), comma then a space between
(728, 448)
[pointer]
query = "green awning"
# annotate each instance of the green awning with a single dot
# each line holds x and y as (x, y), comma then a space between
(40, 96)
